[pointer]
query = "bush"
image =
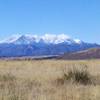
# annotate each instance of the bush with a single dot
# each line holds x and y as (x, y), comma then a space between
(78, 75)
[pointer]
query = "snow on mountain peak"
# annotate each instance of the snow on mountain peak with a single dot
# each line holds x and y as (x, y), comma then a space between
(52, 38)
(46, 38)
(10, 39)
(78, 41)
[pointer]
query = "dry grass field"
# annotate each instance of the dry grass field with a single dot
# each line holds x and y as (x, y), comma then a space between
(44, 80)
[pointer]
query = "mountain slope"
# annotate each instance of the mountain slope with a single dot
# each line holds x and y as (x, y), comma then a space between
(33, 45)
(85, 54)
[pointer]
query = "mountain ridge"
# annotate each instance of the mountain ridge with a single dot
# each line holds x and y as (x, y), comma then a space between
(46, 38)
(33, 45)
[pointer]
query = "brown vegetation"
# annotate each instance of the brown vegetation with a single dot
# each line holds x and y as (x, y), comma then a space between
(50, 80)
(85, 54)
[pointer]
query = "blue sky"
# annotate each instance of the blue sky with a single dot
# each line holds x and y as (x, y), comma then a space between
(76, 18)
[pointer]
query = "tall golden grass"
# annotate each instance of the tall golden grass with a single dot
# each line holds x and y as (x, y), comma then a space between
(39, 80)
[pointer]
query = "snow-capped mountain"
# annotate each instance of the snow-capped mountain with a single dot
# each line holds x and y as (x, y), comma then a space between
(47, 39)
(34, 45)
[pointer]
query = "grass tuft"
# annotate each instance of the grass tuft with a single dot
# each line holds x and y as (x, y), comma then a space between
(76, 75)
(7, 77)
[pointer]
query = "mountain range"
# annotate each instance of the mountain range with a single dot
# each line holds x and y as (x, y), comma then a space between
(45, 45)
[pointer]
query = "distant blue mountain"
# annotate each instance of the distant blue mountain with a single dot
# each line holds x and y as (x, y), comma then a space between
(32, 45)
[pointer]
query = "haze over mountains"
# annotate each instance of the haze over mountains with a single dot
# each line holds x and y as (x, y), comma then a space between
(34, 45)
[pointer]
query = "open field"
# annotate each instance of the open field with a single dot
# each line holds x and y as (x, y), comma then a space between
(43, 80)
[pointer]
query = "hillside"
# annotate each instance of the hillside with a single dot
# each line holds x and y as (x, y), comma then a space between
(85, 54)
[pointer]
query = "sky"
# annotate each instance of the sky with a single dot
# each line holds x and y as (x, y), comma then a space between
(76, 18)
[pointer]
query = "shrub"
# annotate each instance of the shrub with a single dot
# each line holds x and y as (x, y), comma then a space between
(78, 75)
(75, 74)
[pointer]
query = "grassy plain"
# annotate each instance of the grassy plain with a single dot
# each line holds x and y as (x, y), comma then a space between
(38, 80)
